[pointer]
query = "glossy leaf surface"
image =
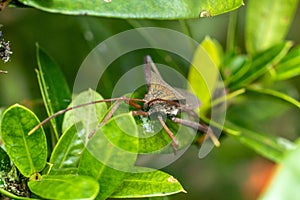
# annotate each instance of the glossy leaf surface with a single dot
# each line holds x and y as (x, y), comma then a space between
(288, 67)
(152, 9)
(261, 63)
(65, 187)
(67, 151)
(267, 23)
(203, 75)
(111, 153)
(148, 184)
(88, 115)
(54, 88)
(28, 153)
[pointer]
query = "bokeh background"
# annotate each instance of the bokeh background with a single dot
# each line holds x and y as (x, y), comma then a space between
(231, 171)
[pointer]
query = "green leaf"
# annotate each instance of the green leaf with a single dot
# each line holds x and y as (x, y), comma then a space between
(158, 141)
(53, 86)
(267, 23)
(285, 184)
(109, 178)
(288, 67)
(271, 147)
(279, 95)
(234, 67)
(204, 73)
(214, 49)
(261, 63)
(65, 187)
(154, 142)
(111, 153)
(4, 161)
(148, 184)
(89, 115)
(67, 151)
(152, 9)
(28, 153)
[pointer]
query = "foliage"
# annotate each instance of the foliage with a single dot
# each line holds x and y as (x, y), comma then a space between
(74, 168)
(142, 9)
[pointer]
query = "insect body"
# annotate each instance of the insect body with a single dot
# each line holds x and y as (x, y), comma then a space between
(157, 90)
(161, 101)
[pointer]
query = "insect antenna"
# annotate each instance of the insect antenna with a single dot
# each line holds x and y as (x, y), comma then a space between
(126, 99)
(107, 117)
(148, 60)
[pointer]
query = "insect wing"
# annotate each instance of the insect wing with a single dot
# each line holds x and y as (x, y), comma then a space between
(157, 88)
(192, 102)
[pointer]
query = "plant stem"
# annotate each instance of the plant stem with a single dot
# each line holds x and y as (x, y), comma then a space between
(231, 32)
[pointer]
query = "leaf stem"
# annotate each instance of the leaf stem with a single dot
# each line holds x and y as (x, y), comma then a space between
(228, 97)
(231, 31)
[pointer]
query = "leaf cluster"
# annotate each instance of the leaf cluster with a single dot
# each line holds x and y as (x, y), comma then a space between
(62, 163)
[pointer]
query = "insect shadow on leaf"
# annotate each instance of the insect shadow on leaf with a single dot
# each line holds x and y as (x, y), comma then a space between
(159, 103)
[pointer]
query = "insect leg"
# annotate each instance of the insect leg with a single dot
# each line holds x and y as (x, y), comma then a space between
(174, 140)
(112, 111)
(139, 113)
(126, 99)
(199, 127)
(133, 104)
(148, 61)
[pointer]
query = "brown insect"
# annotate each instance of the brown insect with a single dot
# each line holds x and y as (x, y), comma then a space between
(159, 103)
(3, 4)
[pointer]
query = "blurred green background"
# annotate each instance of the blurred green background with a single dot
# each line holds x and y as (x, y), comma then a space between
(231, 171)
